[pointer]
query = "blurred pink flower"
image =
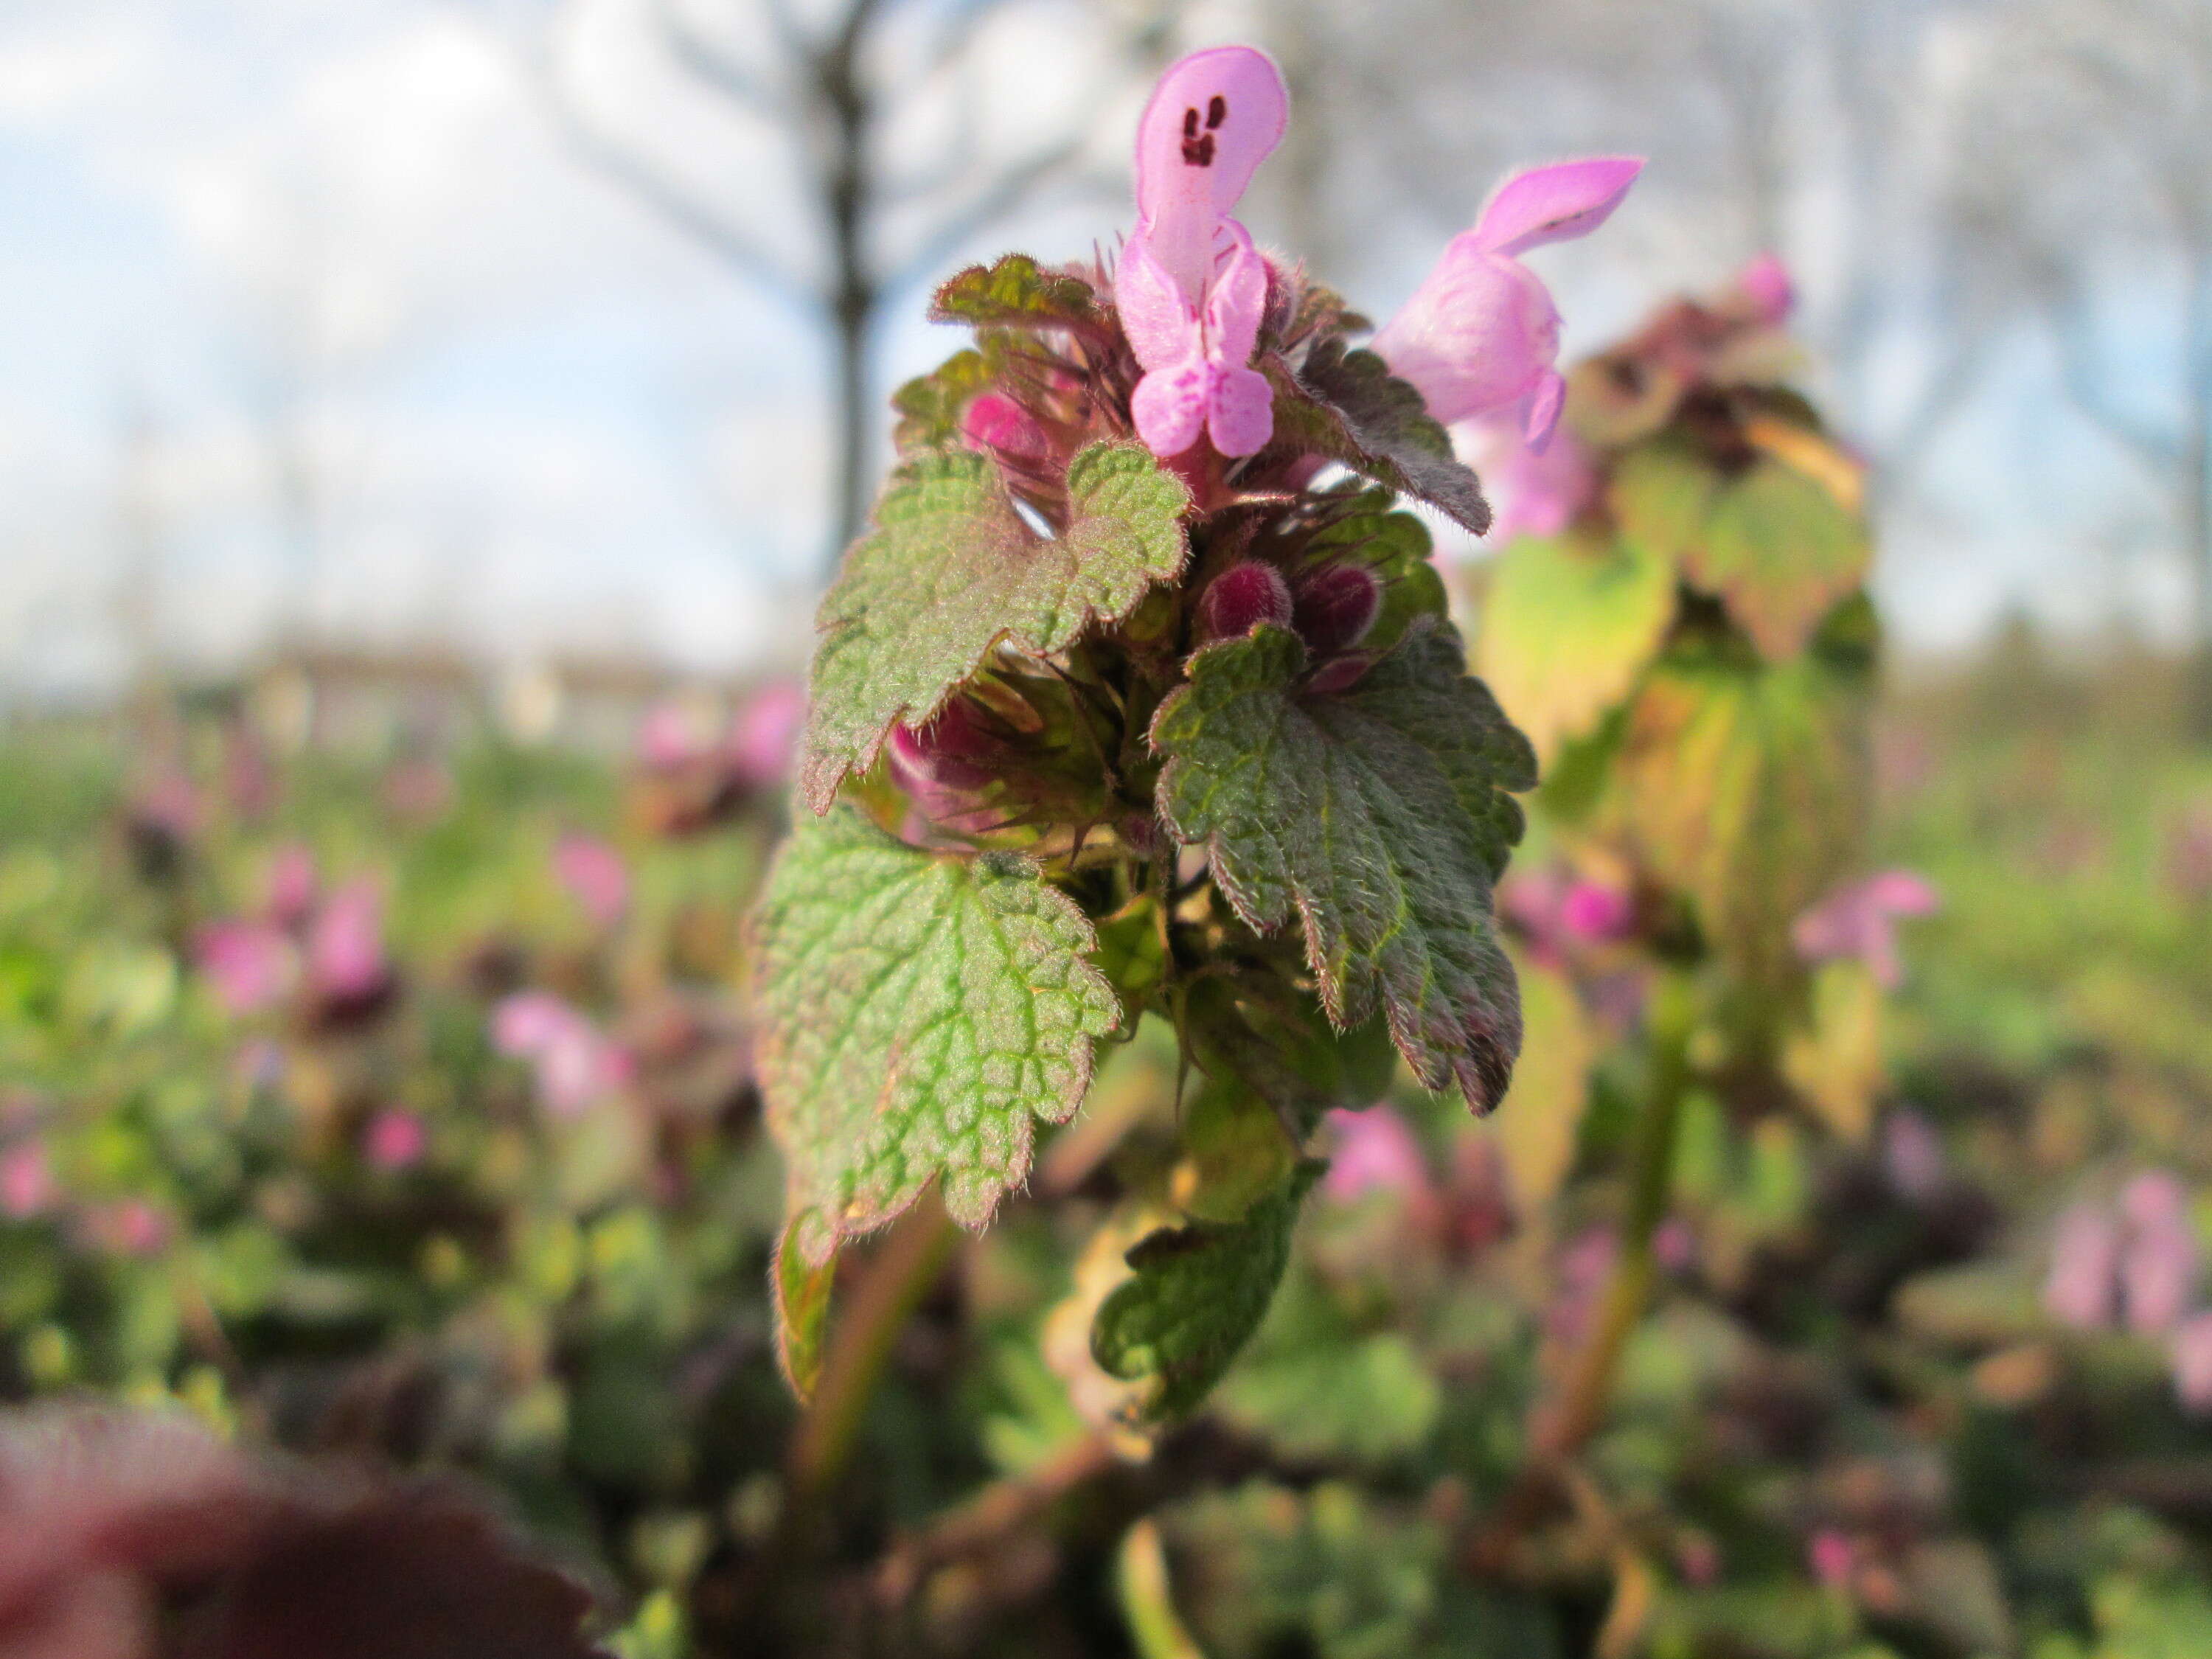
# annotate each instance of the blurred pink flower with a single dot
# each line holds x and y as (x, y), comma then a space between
(417, 789)
(128, 1226)
(595, 876)
(1533, 492)
(1579, 1280)
(1480, 334)
(170, 805)
(1912, 1156)
(1698, 1560)
(1373, 1151)
(672, 735)
(1594, 912)
(394, 1140)
(1191, 287)
(249, 964)
(291, 886)
(1674, 1245)
(2158, 1267)
(1558, 911)
(1766, 283)
(2085, 1262)
(2191, 1354)
(765, 736)
(1831, 1555)
(572, 1064)
(345, 944)
(1860, 921)
(27, 1181)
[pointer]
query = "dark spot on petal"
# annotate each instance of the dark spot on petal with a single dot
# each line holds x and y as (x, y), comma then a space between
(1217, 111)
(1189, 124)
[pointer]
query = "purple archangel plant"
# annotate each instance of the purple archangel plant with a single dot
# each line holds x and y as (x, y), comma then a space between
(1139, 697)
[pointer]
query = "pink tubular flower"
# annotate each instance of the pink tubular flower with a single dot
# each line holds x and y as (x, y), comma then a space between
(2158, 1271)
(1480, 334)
(1372, 1151)
(1860, 920)
(595, 876)
(1191, 287)
(249, 965)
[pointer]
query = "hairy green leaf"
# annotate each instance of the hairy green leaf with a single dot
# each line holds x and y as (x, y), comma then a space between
(1347, 405)
(1782, 551)
(1395, 547)
(1568, 624)
(802, 1309)
(930, 405)
(918, 1013)
(951, 568)
(1199, 1293)
(1378, 817)
(1015, 292)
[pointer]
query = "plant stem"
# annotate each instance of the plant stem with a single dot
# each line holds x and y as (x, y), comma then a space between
(898, 1277)
(1560, 1433)
(1557, 1432)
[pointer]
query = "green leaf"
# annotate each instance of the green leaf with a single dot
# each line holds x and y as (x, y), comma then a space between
(918, 1013)
(1744, 785)
(1347, 405)
(1660, 494)
(1199, 1293)
(952, 568)
(1377, 815)
(802, 1309)
(1568, 624)
(930, 405)
(1782, 551)
(1277, 1042)
(1016, 292)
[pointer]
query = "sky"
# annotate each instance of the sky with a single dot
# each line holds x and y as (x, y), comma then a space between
(541, 419)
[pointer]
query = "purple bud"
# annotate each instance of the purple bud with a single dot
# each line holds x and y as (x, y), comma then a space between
(1336, 606)
(1242, 598)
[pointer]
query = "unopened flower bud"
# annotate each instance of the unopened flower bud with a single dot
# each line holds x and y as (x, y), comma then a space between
(1242, 598)
(1335, 606)
(994, 421)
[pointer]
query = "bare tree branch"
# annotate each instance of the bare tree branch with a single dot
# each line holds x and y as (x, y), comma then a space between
(715, 64)
(997, 199)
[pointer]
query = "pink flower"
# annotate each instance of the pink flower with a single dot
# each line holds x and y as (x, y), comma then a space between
(765, 736)
(1594, 911)
(291, 886)
(2158, 1270)
(1831, 1555)
(1860, 921)
(1579, 1279)
(27, 1181)
(1191, 287)
(1913, 1157)
(1674, 1245)
(572, 1064)
(128, 1226)
(1766, 282)
(595, 876)
(394, 1140)
(1533, 491)
(996, 422)
(671, 736)
(345, 946)
(1480, 334)
(249, 964)
(2191, 1354)
(2084, 1261)
(1373, 1151)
